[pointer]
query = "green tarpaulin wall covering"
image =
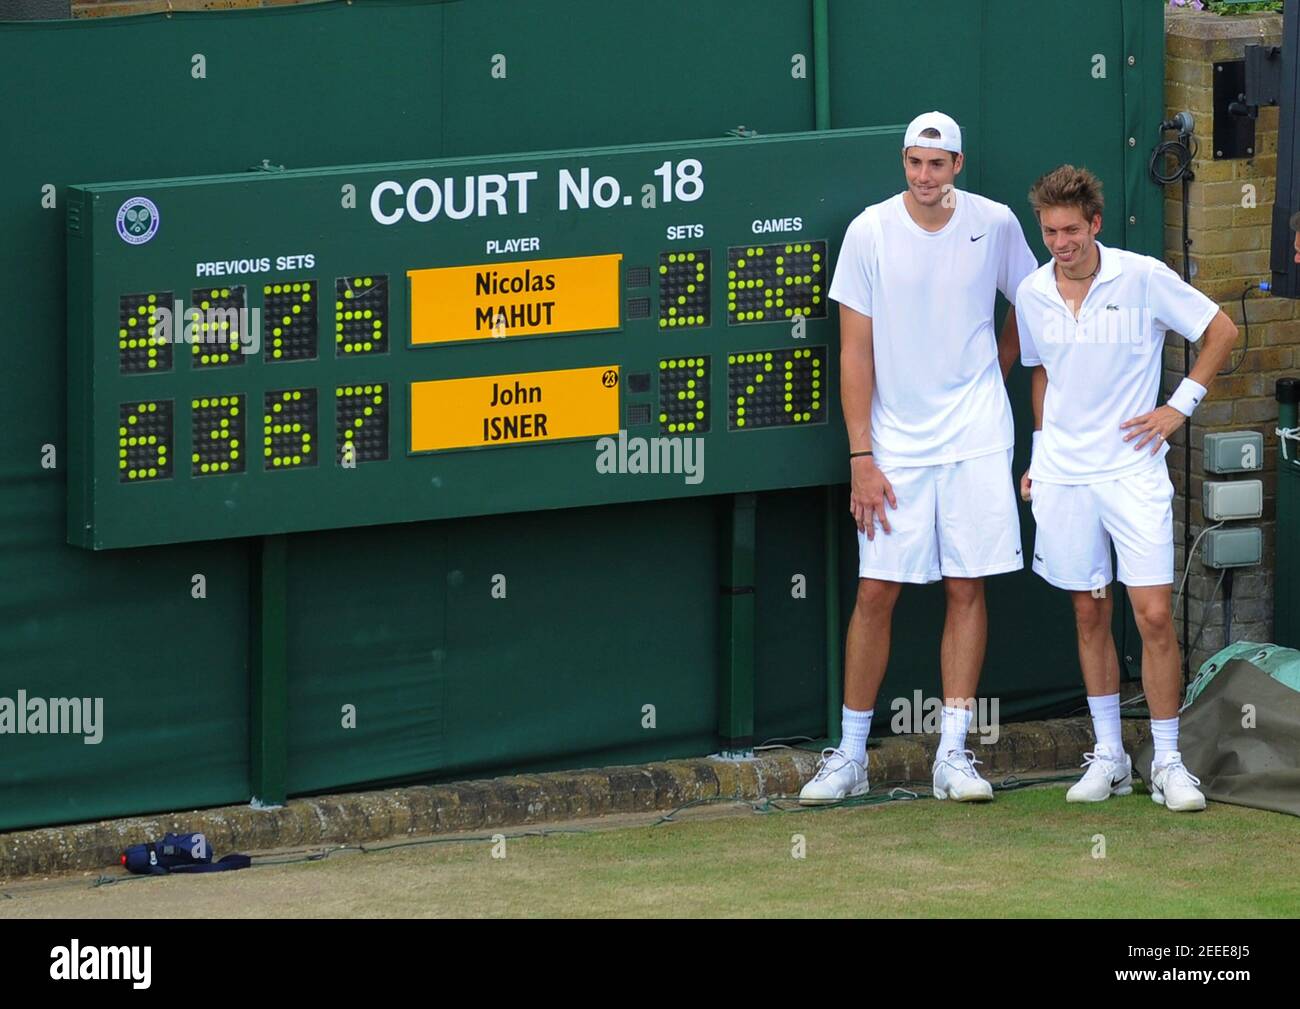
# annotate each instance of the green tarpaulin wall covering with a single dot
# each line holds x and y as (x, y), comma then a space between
(621, 608)
(1239, 727)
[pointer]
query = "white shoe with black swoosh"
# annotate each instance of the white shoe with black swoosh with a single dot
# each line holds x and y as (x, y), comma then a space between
(1106, 775)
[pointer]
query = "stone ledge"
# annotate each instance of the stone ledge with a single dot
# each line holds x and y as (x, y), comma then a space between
(1192, 24)
(130, 8)
(356, 817)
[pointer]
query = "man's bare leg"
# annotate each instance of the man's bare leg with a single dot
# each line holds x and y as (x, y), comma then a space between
(1171, 782)
(1099, 663)
(866, 648)
(965, 637)
(1097, 656)
(1161, 677)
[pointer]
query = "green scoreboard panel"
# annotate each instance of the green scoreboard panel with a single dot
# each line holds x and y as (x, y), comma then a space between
(283, 351)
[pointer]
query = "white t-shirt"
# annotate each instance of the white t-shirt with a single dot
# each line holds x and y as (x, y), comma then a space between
(1104, 368)
(939, 395)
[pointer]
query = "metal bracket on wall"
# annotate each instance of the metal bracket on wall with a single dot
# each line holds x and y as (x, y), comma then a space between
(1263, 75)
(1234, 120)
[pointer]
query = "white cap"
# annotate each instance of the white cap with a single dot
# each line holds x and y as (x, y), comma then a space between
(949, 138)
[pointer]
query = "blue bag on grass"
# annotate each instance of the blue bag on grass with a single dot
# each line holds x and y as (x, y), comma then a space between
(178, 853)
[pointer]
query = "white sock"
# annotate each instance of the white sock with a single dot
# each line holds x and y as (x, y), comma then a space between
(1105, 722)
(1164, 732)
(954, 723)
(855, 727)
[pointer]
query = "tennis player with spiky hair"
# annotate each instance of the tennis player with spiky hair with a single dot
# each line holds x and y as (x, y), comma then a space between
(1092, 327)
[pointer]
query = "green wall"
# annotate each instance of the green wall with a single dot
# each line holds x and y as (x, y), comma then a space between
(617, 606)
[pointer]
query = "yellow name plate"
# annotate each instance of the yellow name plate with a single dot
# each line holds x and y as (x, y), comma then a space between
(510, 409)
(544, 296)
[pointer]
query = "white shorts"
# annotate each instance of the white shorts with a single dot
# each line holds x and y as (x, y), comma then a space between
(1077, 524)
(957, 520)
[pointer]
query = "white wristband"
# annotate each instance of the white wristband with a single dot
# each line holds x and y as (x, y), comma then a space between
(1187, 397)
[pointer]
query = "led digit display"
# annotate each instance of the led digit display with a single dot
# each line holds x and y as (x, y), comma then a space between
(217, 435)
(774, 283)
(361, 315)
(216, 326)
(144, 333)
(683, 289)
(144, 440)
(289, 429)
(289, 321)
(684, 395)
(775, 388)
(361, 423)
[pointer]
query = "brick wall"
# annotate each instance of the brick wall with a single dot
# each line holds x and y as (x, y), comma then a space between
(1229, 252)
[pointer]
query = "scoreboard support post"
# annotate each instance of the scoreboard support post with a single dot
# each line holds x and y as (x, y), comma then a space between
(834, 637)
(833, 517)
(268, 738)
(736, 691)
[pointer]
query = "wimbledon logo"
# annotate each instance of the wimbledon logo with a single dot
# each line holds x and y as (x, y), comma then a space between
(137, 220)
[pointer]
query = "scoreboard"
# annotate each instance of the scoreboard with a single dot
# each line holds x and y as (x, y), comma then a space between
(281, 351)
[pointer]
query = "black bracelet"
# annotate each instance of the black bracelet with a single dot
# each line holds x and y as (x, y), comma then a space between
(854, 455)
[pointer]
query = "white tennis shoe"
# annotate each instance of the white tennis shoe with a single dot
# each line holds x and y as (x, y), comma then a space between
(1175, 787)
(955, 778)
(838, 777)
(1106, 775)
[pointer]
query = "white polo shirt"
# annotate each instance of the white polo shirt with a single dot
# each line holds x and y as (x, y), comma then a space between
(939, 395)
(1103, 368)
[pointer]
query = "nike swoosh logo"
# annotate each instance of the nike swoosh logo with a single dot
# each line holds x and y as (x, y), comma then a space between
(976, 238)
(1116, 782)
(1038, 557)
(1017, 552)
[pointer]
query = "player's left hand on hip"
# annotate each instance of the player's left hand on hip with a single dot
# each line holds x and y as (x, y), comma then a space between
(1154, 427)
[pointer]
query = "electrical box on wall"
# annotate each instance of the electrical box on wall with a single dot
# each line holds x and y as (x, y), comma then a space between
(1224, 501)
(1234, 452)
(1233, 548)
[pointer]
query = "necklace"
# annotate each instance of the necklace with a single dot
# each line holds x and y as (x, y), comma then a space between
(1094, 272)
